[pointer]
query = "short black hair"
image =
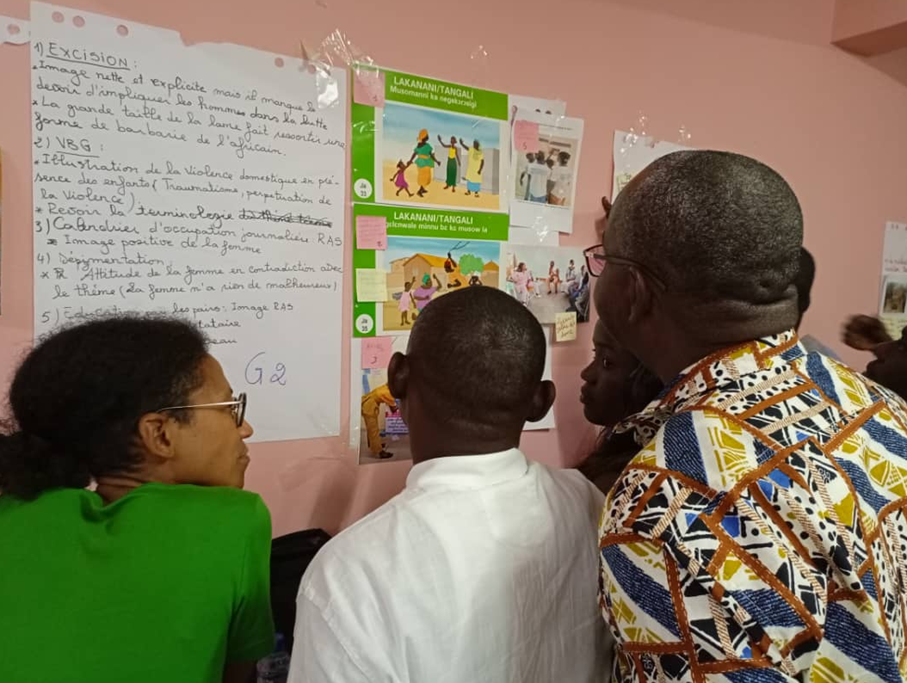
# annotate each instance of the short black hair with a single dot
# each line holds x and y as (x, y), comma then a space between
(480, 355)
(806, 275)
(76, 399)
(716, 225)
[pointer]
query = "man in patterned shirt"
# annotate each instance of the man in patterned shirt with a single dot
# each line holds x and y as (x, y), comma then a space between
(760, 533)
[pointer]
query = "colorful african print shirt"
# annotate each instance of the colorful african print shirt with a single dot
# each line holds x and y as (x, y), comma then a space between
(760, 534)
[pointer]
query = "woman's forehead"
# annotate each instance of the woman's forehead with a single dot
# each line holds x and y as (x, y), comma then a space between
(213, 379)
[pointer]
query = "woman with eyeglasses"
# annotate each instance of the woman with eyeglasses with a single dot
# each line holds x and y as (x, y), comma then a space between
(162, 572)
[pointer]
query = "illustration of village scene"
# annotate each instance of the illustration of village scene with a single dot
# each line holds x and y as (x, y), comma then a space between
(419, 270)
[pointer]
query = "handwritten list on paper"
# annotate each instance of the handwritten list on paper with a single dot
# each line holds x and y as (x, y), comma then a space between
(201, 182)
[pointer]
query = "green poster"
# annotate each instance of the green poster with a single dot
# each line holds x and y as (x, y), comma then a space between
(422, 142)
(430, 160)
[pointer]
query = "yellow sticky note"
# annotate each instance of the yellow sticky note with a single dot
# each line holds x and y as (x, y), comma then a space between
(565, 326)
(371, 284)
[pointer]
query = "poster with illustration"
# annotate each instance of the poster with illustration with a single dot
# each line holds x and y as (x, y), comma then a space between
(427, 253)
(547, 280)
(379, 434)
(422, 142)
(546, 152)
(383, 436)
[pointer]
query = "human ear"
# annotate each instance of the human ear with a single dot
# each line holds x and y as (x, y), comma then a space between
(398, 375)
(154, 432)
(542, 400)
(639, 296)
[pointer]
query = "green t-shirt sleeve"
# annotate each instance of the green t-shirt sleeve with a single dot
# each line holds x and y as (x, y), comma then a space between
(252, 627)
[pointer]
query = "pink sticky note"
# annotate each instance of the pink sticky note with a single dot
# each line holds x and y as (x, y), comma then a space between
(368, 88)
(377, 352)
(371, 232)
(526, 136)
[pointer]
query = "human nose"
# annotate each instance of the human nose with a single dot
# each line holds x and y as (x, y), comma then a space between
(588, 372)
(245, 430)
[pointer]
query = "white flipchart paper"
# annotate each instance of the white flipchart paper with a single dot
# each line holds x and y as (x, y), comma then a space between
(202, 181)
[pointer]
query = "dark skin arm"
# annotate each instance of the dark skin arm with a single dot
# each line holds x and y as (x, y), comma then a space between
(481, 167)
(442, 142)
(465, 146)
(239, 672)
(437, 281)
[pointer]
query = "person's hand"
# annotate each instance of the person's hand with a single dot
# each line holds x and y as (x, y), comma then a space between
(864, 332)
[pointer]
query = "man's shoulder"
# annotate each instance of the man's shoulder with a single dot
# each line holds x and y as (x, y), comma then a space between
(714, 440)
(570, 479)
(346, 559)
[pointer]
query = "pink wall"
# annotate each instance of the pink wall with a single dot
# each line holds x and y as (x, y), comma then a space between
(830, 123)
(870, 27)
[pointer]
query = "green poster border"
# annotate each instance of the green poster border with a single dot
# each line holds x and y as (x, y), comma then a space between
(362, 155)
(445, 95)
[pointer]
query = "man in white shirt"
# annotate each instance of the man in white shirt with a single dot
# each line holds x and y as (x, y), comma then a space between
(484, 567)
(539, 174)
(562, 179)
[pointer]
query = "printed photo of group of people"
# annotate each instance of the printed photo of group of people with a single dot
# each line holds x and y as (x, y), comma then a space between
(548, 281)
(546, 176)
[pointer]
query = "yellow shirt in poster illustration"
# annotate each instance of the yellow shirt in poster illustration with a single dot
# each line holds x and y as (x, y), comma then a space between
(476, 156)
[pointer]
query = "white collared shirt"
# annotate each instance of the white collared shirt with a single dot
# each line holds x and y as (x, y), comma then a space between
(483, 569)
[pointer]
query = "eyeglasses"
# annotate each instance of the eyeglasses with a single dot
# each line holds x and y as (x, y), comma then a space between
(596, 258)
(237, 407)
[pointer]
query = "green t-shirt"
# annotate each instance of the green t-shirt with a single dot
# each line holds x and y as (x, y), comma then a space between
(423, 155)
(163, 586)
